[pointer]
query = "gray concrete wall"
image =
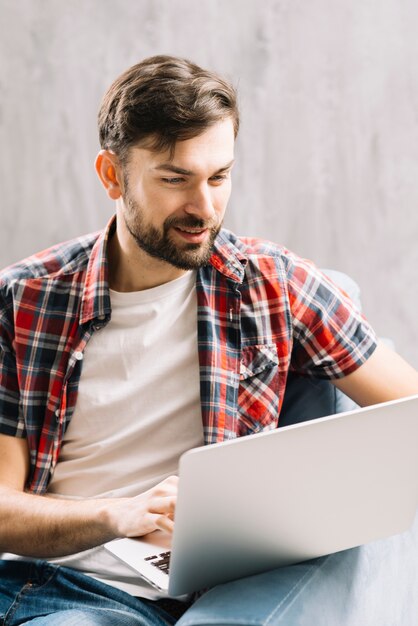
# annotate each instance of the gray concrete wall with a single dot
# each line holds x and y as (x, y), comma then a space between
(328, 151)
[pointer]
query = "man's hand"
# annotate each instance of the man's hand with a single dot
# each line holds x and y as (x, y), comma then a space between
(152, 510)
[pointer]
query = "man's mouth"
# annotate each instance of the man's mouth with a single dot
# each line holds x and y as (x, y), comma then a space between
(192, 235)
(192, 230)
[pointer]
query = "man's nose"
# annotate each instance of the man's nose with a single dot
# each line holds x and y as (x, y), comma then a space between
(200, 203)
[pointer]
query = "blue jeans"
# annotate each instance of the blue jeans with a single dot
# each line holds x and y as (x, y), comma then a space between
(42, 594)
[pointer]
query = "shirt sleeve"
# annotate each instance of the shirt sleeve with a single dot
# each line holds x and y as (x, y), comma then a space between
(331, 337)
(11, 420)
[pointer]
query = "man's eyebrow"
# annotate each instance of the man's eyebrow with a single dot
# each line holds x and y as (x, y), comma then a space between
(169, 167)
(226, 167)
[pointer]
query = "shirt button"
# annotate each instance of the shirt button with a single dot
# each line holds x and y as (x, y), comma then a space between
(101, 317)
(78, 355)
(57, 413)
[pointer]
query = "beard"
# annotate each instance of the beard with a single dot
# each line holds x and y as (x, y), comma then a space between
(158, 244)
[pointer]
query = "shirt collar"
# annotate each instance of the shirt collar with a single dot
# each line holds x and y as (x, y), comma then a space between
(95, 302)
(226, 258)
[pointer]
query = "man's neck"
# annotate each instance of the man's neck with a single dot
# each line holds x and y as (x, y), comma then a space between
(132, 269)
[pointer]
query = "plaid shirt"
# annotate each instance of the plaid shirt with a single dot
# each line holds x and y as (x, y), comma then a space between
(262, 311)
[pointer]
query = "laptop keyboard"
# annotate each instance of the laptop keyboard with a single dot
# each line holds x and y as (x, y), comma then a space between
(162, 561)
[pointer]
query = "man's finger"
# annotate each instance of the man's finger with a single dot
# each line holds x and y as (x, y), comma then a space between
(164, 523)
(164, 504)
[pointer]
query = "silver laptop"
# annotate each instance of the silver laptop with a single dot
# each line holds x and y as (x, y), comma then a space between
(284, 496)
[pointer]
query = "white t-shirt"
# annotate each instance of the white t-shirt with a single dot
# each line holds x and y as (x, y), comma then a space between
(138, 409)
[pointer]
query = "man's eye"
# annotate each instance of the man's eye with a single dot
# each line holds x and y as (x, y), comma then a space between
(173, 181)
(218, 178)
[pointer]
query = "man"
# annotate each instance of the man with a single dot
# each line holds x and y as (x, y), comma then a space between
(121, 350)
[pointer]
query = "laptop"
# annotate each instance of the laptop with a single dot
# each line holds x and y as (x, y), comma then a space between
(283, 496)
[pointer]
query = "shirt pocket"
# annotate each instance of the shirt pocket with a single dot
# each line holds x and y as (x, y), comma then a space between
(258, 392)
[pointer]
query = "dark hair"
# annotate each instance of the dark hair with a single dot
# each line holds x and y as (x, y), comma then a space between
(163, 100)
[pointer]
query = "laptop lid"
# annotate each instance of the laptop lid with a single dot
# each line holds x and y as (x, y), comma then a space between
(279, 497)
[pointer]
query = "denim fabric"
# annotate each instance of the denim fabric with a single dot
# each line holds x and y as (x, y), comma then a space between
(42, 594)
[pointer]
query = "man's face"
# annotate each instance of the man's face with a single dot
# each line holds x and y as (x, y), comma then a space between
(173, 205)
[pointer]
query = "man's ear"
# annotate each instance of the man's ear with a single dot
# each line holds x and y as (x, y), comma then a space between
(108, 170)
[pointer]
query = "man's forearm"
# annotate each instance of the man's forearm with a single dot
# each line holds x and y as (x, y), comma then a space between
(39, 526)
(42, 526)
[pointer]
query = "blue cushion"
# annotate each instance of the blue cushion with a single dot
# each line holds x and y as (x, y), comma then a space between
(309, 398)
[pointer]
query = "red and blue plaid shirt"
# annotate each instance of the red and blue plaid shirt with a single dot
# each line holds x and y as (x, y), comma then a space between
(262, 312)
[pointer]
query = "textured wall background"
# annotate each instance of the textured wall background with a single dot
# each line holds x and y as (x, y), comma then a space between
(328, 152)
